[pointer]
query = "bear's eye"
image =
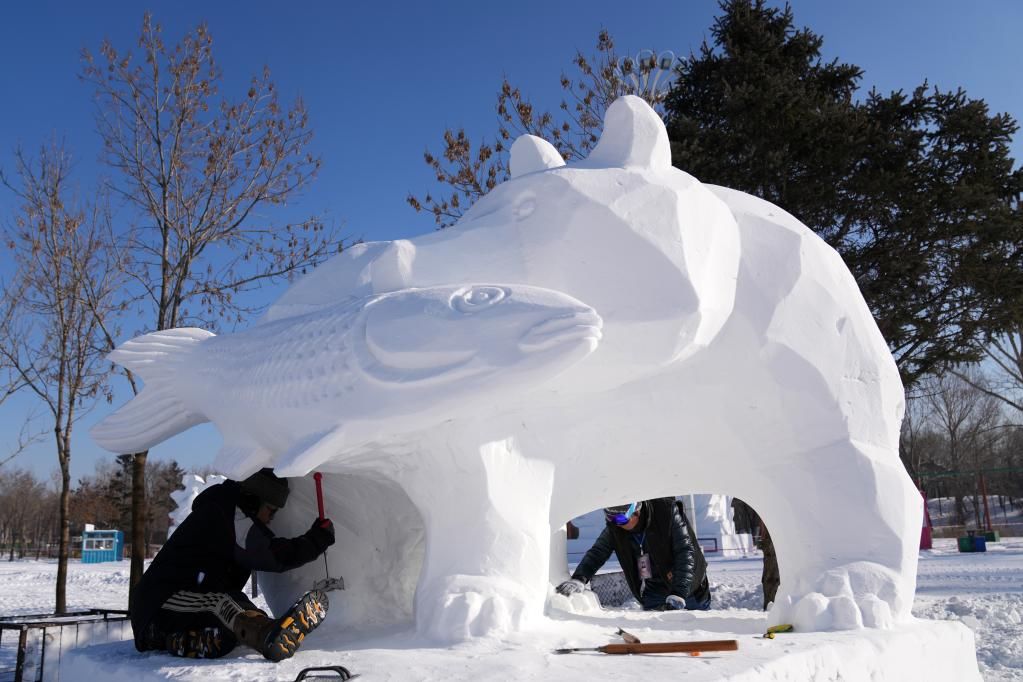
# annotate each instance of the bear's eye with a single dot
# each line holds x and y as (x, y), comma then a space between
(477, 298)
(524, 207)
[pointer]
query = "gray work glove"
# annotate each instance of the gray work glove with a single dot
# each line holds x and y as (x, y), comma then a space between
(570, 587)
(674, 603)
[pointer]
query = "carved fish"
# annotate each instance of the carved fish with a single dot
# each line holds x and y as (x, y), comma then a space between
(298, 391)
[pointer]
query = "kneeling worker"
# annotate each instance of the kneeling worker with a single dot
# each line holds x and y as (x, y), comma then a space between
(190, 600)
(663, 566)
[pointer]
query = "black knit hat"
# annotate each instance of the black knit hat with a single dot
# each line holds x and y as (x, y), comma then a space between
(265, 485)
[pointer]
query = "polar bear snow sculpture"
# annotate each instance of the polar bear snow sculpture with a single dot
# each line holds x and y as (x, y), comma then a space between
(737, 356)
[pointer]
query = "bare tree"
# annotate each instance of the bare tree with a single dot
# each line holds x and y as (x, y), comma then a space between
(27, 434)
(197, 170)
(10, 381)
(52, 338)
(918, 442)
(22, 495)
(968, 418)
(91, 502)
(574, 131)
(22, 502)
(1004, 352)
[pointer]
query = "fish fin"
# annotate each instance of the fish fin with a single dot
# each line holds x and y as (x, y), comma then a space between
(311, 452)
(156, 413)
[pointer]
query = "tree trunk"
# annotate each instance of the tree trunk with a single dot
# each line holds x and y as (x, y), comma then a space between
(138, 516)
(960, 510)
(65, 533)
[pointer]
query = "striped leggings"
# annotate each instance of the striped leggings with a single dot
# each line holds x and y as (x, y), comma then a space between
(185, 610)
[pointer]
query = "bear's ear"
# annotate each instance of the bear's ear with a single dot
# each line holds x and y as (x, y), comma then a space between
(530, 153)
(634, 135)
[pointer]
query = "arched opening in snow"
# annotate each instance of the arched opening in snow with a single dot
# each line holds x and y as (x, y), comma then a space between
(378, 552)
(720, 531)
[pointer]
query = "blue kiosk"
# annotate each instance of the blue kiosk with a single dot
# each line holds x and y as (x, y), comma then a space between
(101, 545)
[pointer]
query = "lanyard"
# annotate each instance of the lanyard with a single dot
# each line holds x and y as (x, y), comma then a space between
(642, 564)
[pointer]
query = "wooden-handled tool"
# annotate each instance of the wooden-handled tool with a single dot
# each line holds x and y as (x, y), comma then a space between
(696, 647)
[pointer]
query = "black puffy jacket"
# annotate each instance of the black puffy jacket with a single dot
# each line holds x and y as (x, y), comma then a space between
(665, 538)
(215, 549)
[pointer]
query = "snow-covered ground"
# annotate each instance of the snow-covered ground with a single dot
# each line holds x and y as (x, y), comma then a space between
(982, 591)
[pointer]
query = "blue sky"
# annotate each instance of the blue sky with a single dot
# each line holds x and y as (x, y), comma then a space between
(382, 81)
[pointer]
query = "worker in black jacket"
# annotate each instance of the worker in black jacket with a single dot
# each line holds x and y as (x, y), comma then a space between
(190, 600)
(657, 556)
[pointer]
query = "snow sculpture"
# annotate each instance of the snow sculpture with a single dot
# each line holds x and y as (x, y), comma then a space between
(711, 516)
(184, 498)
(737, 356)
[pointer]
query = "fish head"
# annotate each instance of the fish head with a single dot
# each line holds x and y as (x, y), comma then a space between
(455, 333)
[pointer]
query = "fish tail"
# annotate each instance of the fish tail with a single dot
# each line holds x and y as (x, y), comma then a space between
(157, 412)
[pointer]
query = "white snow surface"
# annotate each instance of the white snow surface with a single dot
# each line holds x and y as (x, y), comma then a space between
(959, 597)
(587, 334)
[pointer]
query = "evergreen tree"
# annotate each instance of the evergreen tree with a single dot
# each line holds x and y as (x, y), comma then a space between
(163, 479)
(119, 488)
(915, 191)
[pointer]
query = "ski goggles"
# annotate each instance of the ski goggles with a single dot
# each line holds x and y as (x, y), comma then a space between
(621, 518)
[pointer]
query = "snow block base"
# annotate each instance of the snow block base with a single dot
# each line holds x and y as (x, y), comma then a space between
(921, 650)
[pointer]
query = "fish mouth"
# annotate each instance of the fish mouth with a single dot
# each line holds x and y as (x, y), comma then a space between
(584, 326)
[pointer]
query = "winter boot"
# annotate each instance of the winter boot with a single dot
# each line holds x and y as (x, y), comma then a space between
(205, 642)
(280, 639)
(251, 628)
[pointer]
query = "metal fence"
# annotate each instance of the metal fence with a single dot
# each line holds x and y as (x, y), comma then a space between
(611, 588)
(1007, 530)
(31, 646)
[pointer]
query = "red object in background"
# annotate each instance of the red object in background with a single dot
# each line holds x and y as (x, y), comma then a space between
(925, 531)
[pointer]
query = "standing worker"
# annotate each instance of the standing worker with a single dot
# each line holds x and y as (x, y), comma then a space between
(658, 555)
(190, 600)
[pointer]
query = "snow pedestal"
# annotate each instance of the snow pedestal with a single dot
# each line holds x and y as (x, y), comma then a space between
(916, 651)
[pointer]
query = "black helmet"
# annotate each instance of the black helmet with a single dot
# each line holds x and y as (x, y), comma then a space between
(267, 487)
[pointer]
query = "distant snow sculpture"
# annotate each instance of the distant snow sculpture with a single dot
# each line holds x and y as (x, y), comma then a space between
(715, 525)
(184, 498)
(737, 355)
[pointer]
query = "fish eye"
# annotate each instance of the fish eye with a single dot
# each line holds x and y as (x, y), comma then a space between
(474, 299)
